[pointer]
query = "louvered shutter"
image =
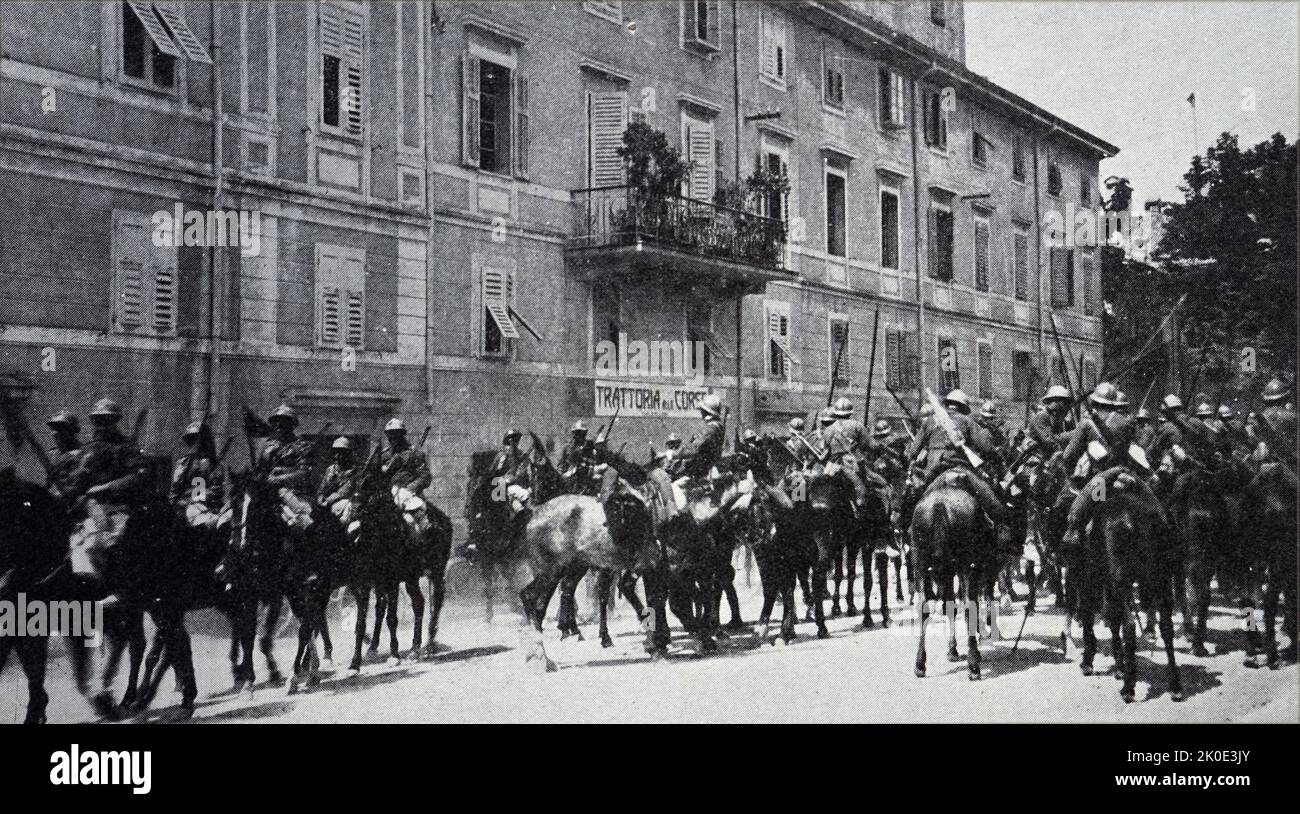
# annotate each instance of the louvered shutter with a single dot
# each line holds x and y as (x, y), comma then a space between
(986, 371)
(1062, 296)
(767, 47)
(607, 120)
(840, 338)
(342, 35)
(181, 31)
(912, 359)
(497, 288)
(699, 137)
(932, 241)
(469, 110)
(145, 14)
(949, 378)
(1022, 265)
(331, 316)
(981, 256)
(133, 253)
(893, 359)
(1089, 287)
(356, 318)
(165, 291)
(520, 151)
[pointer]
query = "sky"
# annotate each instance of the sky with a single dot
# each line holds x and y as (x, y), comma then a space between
(1123, 71)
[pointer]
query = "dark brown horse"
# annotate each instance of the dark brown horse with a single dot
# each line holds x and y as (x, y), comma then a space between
(1270, 553)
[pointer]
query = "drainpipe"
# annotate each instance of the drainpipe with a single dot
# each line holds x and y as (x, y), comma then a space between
(1038, 254)
(428, 55)
(916, 236)
(740, 293)
(216, 259)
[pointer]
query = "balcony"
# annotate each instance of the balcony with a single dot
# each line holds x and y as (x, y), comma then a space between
(624, 231)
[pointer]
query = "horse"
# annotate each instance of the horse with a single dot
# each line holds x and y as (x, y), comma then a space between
(493, 533)
(374, 562)
(837, 531)
(1126, 544)
(1201, 516)
(784, 551)
(427, 548)
(952, 541)
(1270, 539)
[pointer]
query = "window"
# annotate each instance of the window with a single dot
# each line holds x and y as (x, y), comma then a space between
(700, 24)
(979, 146)
(145, 278)
(835, 214)
(606, 121)
(776, 315)
(154, 36)
(494, 117)
(611, 10)
(891, 98)
(342, 53)
(1022, 375)
(497, 315)
(938, 13)
(1021, 263)
(1062, 278)
(981, 253)
(1017, 156)
(949, 375)
(833, 80)
(1085, 189)
(902, 359)
(699, 328)
(889, 236)
(936, 119)
(1089, 374)
(1054, 184)
(940, 234)
(606, 312)
(772, 51)
(775, 205)
(340, 297)
(984, 360)
(841, 358)
(1089, 284)
(698, 146)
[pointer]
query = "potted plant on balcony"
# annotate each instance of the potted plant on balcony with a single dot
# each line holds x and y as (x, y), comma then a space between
(655, 171)
(763, 238)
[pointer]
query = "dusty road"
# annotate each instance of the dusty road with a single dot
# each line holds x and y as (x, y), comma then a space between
(855, 676)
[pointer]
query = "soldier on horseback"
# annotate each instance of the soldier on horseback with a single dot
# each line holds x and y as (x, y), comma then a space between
(848, 444)
(1144, 431)
(198, 484)
(1049, 431)
(992, 424)
(339, 485)
(65, 458)
(574, 454)
(283, 463)
(700, 458)
(1274, 428)
(942, 439)
(405, 468)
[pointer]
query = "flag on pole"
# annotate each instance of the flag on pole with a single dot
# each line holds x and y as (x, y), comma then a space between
(1191, 100)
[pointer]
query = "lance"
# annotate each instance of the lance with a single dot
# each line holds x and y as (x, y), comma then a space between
(1065, 365)
(871, 366)
(1142, 352)
(1147, 395)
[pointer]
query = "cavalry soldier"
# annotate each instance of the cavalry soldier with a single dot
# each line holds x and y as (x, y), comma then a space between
(1168, 438)
(1275, 426)
(339, 485)
(65, 458)
(992, 424)
(848, 444)
(1108, 436)
(890, 462)
(1049, 430)
(942, 454)
(700, 458)
(199, 502)
(404, 466)
(510, 460)
(1144, 432)
(573, 454)
(793, 443)
(283, 463)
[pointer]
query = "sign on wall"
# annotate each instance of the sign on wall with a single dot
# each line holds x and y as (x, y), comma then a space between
(633, 399)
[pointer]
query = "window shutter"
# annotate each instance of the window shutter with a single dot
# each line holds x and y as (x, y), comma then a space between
(948, 379)
(356, 318)
(1022, 265)
(608, 120)
(497, 288)
(767, 46)
(893, 359)
(134, 253)
(981, 256)
(932, 241)
(520, 152)
(912, 359)
(986, 371)
(943, 247)
(1062, 278)
(331, 316)
(840, 338)
(163, 267)
(883, 91)
(1089, 287)
(145, 14)
(354, 67)
(699, 137)
(184, 37)
(469, 110)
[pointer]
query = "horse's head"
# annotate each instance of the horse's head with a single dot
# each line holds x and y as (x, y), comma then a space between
(1042, 479)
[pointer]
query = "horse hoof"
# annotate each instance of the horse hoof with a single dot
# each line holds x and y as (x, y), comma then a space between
(737, 627)
(1274, 664)
(835, 612)
(355, 668)
(954, 656)
(106, 707)
(920, 671)
(1177, 695)
(394, 661)
(1065, 640)
(313, 680)
(327, 662)
(606, 641)
(886, 622)
(823, 633)
(1252, 663)
(1199, 651)
(867, 624)
(1086, 669)
(708, 646)
(851, 610)
(34, 719)
(1129, 696)
(293, 686)
(974, 674)
(275, 678)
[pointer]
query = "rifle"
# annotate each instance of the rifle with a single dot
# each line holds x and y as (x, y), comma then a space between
(871, 367)
(1147, 395)
(140, 416)
(1065, 365)
(907, 425)
(950, 429)
(425, 435)
(835, 373)
(14, 420)
(603, 435)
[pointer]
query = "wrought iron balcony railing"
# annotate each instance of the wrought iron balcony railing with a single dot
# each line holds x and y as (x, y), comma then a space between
(629, 216)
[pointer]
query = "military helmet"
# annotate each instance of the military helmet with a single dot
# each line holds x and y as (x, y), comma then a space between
(711, 405)
(989, 410)
(843, 408)
(106, 408)
(1143, 414)
(394, 425)
(926, 410)
(1056, 392)
(796, 424)
(1275, 390)
(284, 413)
(578, 426)
(1226, 412)
(749, 435)
(673, 440)
(1204, 410)
(959, 399)
(882, 429)
(193, 429)
(66, 419)
(511, 433)
(1121, 399)
(825, 416)
(342, 442)
(1105, 394)
(1171, 402)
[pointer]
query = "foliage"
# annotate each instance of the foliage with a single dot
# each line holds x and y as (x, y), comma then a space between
(654, 166)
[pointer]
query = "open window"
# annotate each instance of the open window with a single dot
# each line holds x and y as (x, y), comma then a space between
(779, 353)
(494, 114)
(342, 68)
(154, 37)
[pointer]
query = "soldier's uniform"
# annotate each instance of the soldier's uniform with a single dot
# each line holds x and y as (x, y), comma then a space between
(1276, 425)
(405, 467)
(700, 458)
(339, 485)
(198, 502)
(113, 475)
(283, 463)
(574, 453)
(65, 457)
(1145, 431)
(942, 454)
(1049, 430)
(850, 445)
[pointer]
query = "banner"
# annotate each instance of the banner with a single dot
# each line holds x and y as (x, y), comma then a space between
(633, 399)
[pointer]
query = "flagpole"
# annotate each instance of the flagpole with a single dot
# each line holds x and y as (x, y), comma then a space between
(1196, 140)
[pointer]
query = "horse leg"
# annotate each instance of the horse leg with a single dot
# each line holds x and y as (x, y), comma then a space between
(489, 586)
(417, 611)
(535, 597)
(245, 627)
(135, 652)
(390, 601)
(361, 596)
(438, 591)
(274, 607)
(822, 565)
(733, 599)
(327, 646)
(1270, 624)
(771, 588)
(1197, 598)
(655, 617)
(898, 581)
(838, 576)
(32, 655)
(1128, 690)
(923, 611)
(851, 567)
(1167, 635)
(567, 617)
(380, 609)
(973, 622)
(809, 598)
(604, 584)
(182, 659)
(1086, 621)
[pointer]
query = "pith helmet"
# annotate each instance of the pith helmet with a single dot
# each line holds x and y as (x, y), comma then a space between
(193, 429)
(106, 408)
(1143, 414)
(284, 413)
(926, 410)
(796, 424)
(749, 435)
(673, 441)
(1205, 410)
(63, 418)
(1056, 392)
(989, 410)
(1106, 394)
(825, 416)
(1122, 398)
(342, 442)
(394, 425)
(1171, 402)
(711, 405)
(1275, 390)
(510, 433)
(843, 408)
(882, 429)
(578, 426)
(959, 399)
(1226, 412)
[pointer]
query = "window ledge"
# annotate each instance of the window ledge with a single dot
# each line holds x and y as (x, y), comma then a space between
(828, 107)
(772, 81)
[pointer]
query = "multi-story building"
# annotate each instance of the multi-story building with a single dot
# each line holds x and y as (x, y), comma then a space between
(446, 230)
